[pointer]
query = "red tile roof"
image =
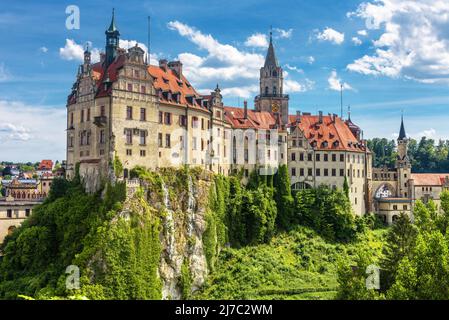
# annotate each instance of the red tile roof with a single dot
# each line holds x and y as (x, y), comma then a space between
(255, 120)
(429, 179)
(329, 135)
(45, 165)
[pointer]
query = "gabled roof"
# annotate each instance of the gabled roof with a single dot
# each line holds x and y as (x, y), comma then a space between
(329, 135)
(256, 119)
(430, 179)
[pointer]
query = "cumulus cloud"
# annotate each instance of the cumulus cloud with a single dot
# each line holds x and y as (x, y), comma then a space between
(235, 70)
(257, 40)
(414, 42)
(336, 84)
(31, 132)
(429, 133)
(74, 51)
(331, 35)
(362, 33)
(356, 41)
(281, 33)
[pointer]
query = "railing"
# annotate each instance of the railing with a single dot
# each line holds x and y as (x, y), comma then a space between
(100, 121)
(285, 96)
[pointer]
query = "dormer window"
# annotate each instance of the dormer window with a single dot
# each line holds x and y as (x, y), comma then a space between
(324, 144)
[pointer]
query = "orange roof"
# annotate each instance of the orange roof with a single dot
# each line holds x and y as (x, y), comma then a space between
(429, 179)
(45, 165)
(167, 80)
(329, 135)
(256, 119)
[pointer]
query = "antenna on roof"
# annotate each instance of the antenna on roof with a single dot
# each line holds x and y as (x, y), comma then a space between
(148, 41)
(341, 99)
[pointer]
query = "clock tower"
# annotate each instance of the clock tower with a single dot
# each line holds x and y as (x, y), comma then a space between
(272, 97)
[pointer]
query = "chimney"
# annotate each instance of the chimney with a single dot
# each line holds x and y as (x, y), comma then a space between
(163, 64)
(320, 117)
(298, 117)
(176, 66)
(245, 106)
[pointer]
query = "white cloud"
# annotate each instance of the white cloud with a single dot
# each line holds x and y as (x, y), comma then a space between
(362, 33)
(286, 34)
(414, 42)
(236, 71)
(429, 133)
(43, 49)
(257, 40)
(31, 132)
(331, 35)
(71, 51)
(4, 73)
(311, 60)
(356, 41)
(294, 68)
(336, 84)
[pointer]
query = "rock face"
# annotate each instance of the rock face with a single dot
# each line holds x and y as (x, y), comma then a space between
(182, 203)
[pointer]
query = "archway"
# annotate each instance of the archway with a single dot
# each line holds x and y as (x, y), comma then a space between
(298, 186)
(385, 190)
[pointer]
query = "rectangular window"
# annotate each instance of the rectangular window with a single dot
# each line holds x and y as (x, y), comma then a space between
(130, 87)
(102, 137)
(9, 213)
(301, 172)
(326, 172)
(71, 119)
(326, 157)
(309, 172)
(143, 114)
(309, 157)
(129, 136)
(293, 143)
(293, 172)
(88, 114)
(342, 158)
(143, 137)
(342, 172)
(293, 156)
(318, 172)
(301, 156)
(82, 115)
(143, 153)
(167, 118)
(129, 113)
(334, 172)
(182, 120)
(159, 140)
(317, 157)
(202, 124)
(102, 111)
(129, 152)
(142, 89)
(167, 141)
(161, 117)
(27, 212)
(334, 157)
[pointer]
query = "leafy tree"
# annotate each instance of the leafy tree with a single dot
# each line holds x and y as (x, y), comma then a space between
(283, 197)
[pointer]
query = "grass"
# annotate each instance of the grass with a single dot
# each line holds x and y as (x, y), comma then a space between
(297, 265)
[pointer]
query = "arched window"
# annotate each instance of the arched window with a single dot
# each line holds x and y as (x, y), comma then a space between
(275, 74)
(274, 90)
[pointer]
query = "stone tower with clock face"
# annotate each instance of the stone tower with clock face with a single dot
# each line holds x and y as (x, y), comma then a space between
(272, 97)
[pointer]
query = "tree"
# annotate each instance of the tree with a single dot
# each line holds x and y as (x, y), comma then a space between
(283, 197)
(399, 244)
(346, 187)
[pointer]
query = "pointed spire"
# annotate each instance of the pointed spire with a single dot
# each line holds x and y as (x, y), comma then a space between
(271, 60)
(349, 113)
(402, 134)
(112, 27)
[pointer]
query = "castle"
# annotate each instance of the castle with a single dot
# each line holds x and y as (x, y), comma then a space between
(150, 115)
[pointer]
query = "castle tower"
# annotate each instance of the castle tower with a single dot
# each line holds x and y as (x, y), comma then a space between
(403, 165)
(112, 41)
(271, 97)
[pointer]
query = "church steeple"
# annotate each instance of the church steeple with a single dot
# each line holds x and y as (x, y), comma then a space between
(112, 41)
(271, 60)
(402, 135)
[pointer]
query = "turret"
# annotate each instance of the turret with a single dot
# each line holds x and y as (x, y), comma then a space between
(112, 41)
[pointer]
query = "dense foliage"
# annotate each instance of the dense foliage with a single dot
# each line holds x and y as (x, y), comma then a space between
(425, 155)
(414, 263)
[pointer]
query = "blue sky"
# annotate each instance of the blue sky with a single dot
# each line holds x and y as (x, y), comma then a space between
(390, 55)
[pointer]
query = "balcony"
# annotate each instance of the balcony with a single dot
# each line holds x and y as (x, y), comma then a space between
(282, 96)
(100, 121)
